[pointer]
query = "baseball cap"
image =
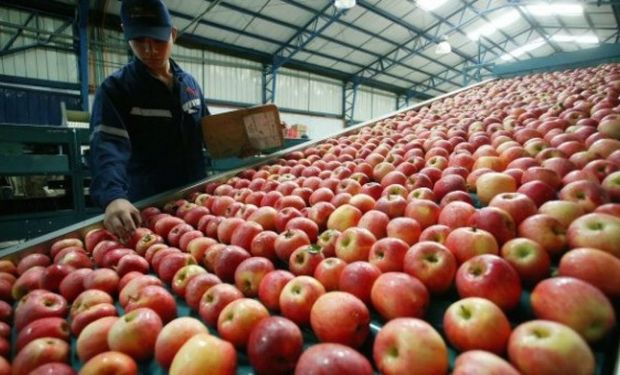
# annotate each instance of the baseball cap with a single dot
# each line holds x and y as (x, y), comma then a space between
(146, 19)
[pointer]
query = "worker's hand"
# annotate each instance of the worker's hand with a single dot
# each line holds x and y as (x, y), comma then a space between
(121, 218)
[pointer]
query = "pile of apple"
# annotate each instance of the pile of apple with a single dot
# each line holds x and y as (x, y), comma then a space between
(506, 192)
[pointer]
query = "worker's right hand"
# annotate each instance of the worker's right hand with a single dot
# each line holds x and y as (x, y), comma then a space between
(121, 218)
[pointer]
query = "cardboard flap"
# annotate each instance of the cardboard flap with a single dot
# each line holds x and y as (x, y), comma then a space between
(234, 133)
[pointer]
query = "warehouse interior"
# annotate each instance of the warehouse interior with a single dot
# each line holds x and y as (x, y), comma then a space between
(403, 127)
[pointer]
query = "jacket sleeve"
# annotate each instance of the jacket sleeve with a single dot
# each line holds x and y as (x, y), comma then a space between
(109, 151)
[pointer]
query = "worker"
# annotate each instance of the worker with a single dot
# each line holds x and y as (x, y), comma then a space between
(146, 135)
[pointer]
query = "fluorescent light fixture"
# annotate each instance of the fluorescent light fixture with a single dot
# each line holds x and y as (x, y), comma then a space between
(344, 4)
(523, 49)
(580, 39)
(504, 20)
(429, 5)
(443, 48)
(556, 9)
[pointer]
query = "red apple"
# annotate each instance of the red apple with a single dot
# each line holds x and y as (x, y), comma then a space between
(135, 333)
(410, 346)
(483, 363)
(183, 276)
(205, 354)
(297, 298)
(397, 294)
(90, 315)
(575, 303)
(271, 286)
(238, 318)
(274, 346)
(214, 300)
(344, 217)
(173, 336)
(431, 263)
(594, 266)
(529, 259)
(39, 305)
(354, 244)
(491, 277)
(250, 273)
(103, 279)
(563, 211)
(39, 352)
(599, 231)
(73, 284)
(45, 327)
(476, 323)
(93, 339)
(357, 278)
(197, 286)
(376, 222)
(157, 299)
(330, 358)
(587, 194)
(289, 241)
(388, 253)
(541, 347)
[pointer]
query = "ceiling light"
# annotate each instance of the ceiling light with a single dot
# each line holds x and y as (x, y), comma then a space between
(429, 5)
(443, 48)
(557, 9)
(523, 50)
(581, 39)
(344, 4)
(495, 24)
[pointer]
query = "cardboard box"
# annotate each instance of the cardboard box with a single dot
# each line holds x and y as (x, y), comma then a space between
(242, 132)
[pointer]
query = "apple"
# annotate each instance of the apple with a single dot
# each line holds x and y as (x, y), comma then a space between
(93, 339)
(528, 258)
(238, 318)
(263, 245)
(483, 363)
(27, 282)
(305, 259)
(205, 354)
(298, 296)
(90, 315)
(575, 303)
(425, 212)
(44, 327)
(410, 346)
(157, 299)
(130, 263)
(175, 234)
(289, 241)
(431, 263)
(183, 276)
(103, 279)
(538, 191)
(375, 221)
(73, 284)
(172, 263)
(611, 184)
(455, 214)
(589, 195)
(135, 333)
(56, 368)
(274, 346)
(491, 184)
(331, 358)
(596, 230)
(327, 241)
(227, 261)
(541, 347)
(54, 274)
(596, 267)
(249, 274)
(340, 317)
(328, 272)
(354, 244)
(39, 352)
(64, 242)
(476, 323)
(173, 336)
(197, 286)
(33, 260)
(491, 277)
(94, 236)
(244, 234)
(435, 233)
(404, 228)
(343, 217)
(214, 300)
(519, 206)
(36, 305)
(546, 231)
(358, 278)
(8, 266)
(320, 213)
(110, 362)
(271, 286)
(563, 211)
(388, 253)
(131, 290)
(397, 294)
(468, 242)
(543, 174)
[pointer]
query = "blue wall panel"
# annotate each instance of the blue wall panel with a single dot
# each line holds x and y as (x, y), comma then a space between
(29, 106)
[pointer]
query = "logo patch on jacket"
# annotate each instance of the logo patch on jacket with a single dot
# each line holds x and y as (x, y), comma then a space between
(191, 91)
(191, 106)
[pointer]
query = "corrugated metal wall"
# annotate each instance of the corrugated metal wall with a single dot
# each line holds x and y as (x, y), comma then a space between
(371, 103)
(305, 91)
(24, 106)
(38, 62)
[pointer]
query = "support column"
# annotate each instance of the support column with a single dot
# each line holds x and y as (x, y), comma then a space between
(82, 47)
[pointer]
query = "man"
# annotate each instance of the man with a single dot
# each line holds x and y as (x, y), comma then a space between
(146, 136)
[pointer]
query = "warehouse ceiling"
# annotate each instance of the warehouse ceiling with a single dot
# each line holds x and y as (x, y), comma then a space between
(392, 44)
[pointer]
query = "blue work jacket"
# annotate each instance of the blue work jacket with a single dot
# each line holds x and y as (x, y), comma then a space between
(145, 138)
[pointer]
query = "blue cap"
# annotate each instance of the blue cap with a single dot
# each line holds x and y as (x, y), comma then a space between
(146, 19)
